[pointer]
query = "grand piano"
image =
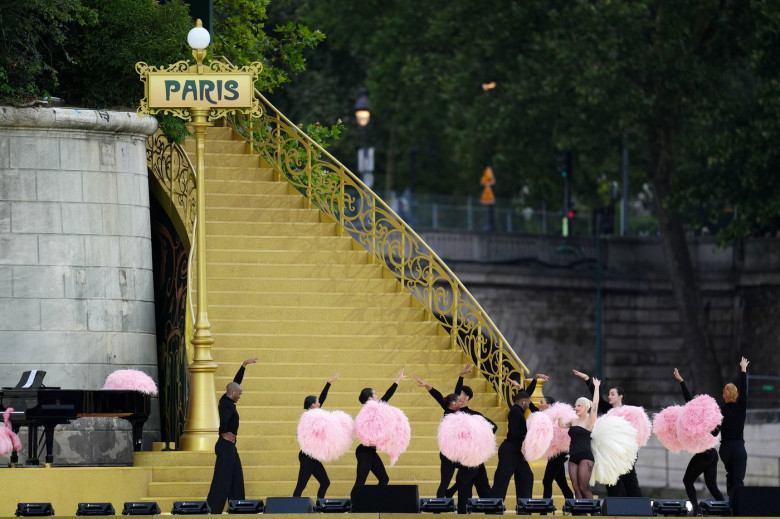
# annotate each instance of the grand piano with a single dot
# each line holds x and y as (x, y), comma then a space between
(35, 405)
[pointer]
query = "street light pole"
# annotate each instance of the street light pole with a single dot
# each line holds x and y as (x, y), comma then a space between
(366, 154)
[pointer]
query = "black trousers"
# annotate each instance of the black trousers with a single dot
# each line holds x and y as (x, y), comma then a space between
(481, 484)
(369, 461)
(464, 481)
(447, 470)
(511, 462)
(311, 467)
(627, 485)
(555, 471)
(734, 458)
(702, 463)
(228, 480)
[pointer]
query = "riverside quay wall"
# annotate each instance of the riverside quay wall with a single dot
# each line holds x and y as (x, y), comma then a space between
(76, 283)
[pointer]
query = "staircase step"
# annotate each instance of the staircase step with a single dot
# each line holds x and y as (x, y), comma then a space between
(270, 229)
(282, 270)
(306, 327)
(319, 313)
(222, 218)
(246, 187)
(379, 300)
(313, 243)
(216, 201)
(349, 344)
(294, 284)
(257, 387)
(231, 357)
(253, 258)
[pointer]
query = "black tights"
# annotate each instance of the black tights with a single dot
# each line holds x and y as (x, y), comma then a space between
(579, 473)
(311, 467)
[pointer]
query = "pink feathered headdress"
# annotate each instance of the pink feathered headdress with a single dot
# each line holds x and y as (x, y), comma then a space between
(131, 379)
(539, 437)
(561, 439)
(325, 435)
(9, 440)
(385, 427)
(637, 417)
(665, 427)
(466, 439)
(695, 423)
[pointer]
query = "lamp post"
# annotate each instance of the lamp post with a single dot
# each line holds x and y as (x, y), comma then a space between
(202, 423)
(365, 154)
(200, 94)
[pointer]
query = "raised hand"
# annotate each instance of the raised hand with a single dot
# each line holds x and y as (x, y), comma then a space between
(744, 364)
(580, 374)
(677, 375)
(467, 369)
(250, 361)
(400, 376)
(333, 378)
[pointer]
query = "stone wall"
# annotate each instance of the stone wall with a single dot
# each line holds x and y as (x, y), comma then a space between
(541, 295)
(76, 283)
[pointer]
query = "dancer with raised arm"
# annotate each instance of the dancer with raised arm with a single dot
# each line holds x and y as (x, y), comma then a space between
(228, 480)
(580, 455)
(555, 469)
(367, 458)
(511, 461)
(701, 463)
(481, 482)
(628, 483)
(309, 466)
(732, 440)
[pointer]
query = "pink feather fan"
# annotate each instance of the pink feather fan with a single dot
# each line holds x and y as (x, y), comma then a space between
(325, 435)
(561, 439)
(466, 439)
(385, 427)
(637, 417)
(131, 379)
(665, 427)
(695, 423)
(9, 440)
(539, 437)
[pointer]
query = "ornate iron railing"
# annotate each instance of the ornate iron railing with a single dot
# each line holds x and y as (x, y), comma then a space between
(338, 193)
(174, 176)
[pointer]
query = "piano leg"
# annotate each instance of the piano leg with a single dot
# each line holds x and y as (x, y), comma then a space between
(49, 433)
(32, 445)
(14, 455)
(138, 428)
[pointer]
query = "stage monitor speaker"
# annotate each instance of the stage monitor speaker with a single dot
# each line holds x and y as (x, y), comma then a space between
(333, 506)
(289, 505)
(670, 507)
(245, 506)
(582, 507)
(713, 507)
(756, 501)
(141, 508)
(437, 505)
(389, 499)
(627, 506)
(190, 508)
(528, 506)
(95, 509)
(487, 505)
(33, 509)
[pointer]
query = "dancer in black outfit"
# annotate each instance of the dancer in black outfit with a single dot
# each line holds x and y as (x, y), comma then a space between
(732, 441)
(481, 481)
(367, 458)
(228, 480)
(450, 404)
(511, 461)
(555, 469)
(702, 463)
(309, 466)
(581, 459)
(627, 484)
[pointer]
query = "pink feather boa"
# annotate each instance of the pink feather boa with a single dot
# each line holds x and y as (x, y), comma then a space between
(695, 423)
(665, 427)
(385, 427)
(539, 437)
(561, 439)
(131, 379)
(466, 439)
(325, 435)
(9, 440)
(637, 417)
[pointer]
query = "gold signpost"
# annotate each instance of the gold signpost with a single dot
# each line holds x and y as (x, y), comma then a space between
(200, 93)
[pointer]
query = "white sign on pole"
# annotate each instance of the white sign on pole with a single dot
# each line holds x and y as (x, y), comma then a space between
(366, 160)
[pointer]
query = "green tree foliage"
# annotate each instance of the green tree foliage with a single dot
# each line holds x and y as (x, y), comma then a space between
(31, 33)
